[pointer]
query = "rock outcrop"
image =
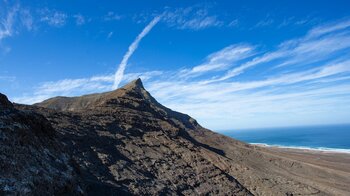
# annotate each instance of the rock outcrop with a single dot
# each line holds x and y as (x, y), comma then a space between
(31, 159)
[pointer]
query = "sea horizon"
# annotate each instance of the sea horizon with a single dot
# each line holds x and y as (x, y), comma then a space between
(326, 138)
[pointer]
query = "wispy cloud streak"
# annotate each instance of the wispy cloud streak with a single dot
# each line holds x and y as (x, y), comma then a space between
(319, 44)
(193, 18)
(52, 17)
(7, 21)
(223, 59)
(121, 68)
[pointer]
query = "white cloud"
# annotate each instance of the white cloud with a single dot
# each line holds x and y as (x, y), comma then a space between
(7, 22)
(26, 18)
(265, 22)
(67, 87)
(52, 17)
(233, 23)
(328, 28)
(145, 76)
(175, 89)
(301, 51)
(287, 95)
(8, 78)
(111, 16)
(190, 18)
(120, 72)
(79, 19)
(13, 18)
(200, 23)
(223, 59)
(245, 103)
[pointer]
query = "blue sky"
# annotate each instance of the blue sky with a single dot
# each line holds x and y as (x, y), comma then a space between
(230, 65)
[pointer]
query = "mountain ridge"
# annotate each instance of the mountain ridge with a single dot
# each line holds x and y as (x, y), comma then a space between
(110, 99)
(125, 142)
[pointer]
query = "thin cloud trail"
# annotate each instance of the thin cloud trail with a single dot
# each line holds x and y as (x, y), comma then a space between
(120, 72)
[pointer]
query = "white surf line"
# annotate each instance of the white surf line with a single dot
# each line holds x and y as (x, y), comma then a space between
(120, 72)
(320, 149)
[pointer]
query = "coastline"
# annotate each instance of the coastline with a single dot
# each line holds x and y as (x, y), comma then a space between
(306, 148)
(335, 161)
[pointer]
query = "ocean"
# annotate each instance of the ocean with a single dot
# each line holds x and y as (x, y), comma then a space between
(326, 138)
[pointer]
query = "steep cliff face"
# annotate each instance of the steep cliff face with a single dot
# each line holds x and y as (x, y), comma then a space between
(31, 159)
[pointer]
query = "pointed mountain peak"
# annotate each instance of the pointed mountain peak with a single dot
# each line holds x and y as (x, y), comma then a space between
(134, 89)
(134, 84)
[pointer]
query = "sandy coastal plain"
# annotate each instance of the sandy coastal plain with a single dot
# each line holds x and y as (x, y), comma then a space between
(323, 158)
(336, 164)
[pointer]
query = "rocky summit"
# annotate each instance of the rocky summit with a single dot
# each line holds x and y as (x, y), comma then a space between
(126, 143)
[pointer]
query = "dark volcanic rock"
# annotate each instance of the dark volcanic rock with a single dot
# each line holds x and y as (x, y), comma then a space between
(124, 142)
(31, 159)
(4, 102)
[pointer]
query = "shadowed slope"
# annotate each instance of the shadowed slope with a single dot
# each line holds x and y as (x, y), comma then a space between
(31, 159)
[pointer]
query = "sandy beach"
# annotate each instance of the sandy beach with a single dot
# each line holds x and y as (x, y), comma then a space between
(335, 164)
(328, 159)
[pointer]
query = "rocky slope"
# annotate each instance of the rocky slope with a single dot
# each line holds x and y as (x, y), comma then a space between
(31, 160)
(125, 142)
